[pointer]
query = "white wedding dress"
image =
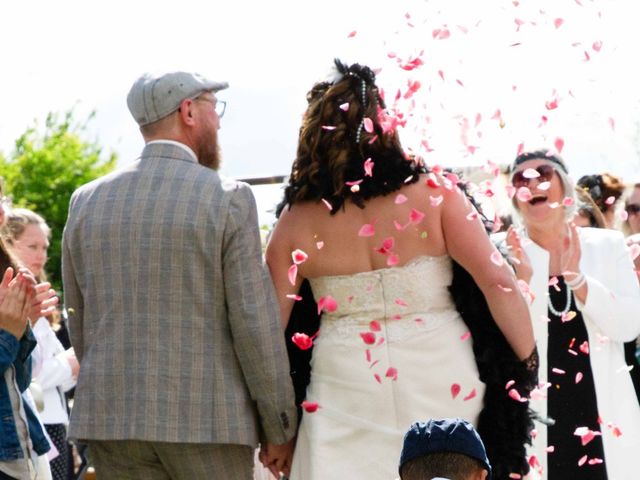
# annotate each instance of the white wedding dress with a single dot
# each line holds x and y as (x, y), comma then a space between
(420, 366)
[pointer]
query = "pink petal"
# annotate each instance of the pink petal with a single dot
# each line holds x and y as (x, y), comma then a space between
(441, 74)
(455, 390)
(327, 304)
(530, 173)
(368, 167)
(302, 341)
(509, 384)
(584, 347)
(505, 289)
(310, 407)
(377, 377)
(597, 45)
(435, 201)
(392, 373)
(400, 198)
(352, 34)
(328, 127)
(292, 273)
(579, 376)
(558, 371)
(415, 216)
(327, 204)
(400, 302)
(374, 326)
(368, 338)
(295, 297)
(465, 336)
(558, 22)
(524, 194)
(567, 317)
(567, 201)
(513, 393)
(559, 144)
(368, 125)
(298, 256)
(582, 460)
(319, 245)
(472, 216)
(366, 230)
(634, 250)
(393, 260)
(471, 395)
(432, 181)
(344, 107)
(497, 258)
(550, 449)
(610, 200)
(399, 226)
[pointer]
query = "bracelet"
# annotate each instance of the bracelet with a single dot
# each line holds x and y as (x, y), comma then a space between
(577, 282)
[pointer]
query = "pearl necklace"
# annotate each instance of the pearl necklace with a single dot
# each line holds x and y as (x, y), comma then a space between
(566, 308)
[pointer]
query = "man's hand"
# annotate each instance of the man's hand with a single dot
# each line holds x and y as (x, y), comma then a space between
(277, 458)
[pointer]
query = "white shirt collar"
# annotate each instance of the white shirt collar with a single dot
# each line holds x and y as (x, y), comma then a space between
(177, 144)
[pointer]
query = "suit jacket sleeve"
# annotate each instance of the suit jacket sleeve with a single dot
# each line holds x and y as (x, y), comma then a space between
(254, 320)
(72, 295)
(612, 303)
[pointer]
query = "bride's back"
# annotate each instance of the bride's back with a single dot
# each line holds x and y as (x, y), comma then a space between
(390, 230)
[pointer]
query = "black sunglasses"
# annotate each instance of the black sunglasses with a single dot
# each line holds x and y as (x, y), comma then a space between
(632, 208)
(545, 173)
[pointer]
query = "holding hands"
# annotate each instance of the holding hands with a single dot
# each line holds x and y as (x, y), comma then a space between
(277, 458)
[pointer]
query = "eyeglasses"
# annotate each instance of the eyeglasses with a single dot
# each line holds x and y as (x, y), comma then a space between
(632, 208)
(545, 174)
(218, 105)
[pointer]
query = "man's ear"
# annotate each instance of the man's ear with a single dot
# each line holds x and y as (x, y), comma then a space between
(482, 474)
(185, 112)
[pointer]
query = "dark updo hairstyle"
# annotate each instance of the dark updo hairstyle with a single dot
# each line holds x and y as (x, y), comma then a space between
(334, 144)
(601, 187)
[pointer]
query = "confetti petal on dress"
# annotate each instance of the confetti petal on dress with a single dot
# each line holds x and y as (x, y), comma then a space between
(374, 326)
(497, 258)
(582, 460)
(567, 317)
(455, 390)
(368, 338)
(377, 377)
(559, 371)
(400, 198)
(327, 304)
(584, 347)
(550, 449)
(344, 107)
(392, 373)
(514, 394)
(579, 377)
(471, 395)
(400, 302)
(302, 341)
(509, 384)
(292, 273)
(368, 167)
(367, 230)
(310, 407)
(465, 336)
(298, 256)
(515, 476)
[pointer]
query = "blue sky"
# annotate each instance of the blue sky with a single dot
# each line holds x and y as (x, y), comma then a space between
(86, 54)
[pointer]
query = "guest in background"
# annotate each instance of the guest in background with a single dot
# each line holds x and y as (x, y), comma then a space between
(606, 190)
(55, 368)
(585, 305)
(587, 212)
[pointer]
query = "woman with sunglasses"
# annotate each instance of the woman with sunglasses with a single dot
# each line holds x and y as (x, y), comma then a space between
(585, 304)
(632, 224)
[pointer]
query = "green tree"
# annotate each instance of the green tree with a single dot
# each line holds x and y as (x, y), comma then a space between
(44, 170)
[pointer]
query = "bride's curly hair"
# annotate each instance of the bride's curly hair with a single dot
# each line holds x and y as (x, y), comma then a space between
(334, 144)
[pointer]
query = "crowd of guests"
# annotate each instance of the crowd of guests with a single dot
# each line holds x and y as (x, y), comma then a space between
(416, 327)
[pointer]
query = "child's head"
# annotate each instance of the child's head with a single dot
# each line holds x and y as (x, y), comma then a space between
(446, 448)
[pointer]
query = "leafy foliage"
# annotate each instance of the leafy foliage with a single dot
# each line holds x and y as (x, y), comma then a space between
(44, 170)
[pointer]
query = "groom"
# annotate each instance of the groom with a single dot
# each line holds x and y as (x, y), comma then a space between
(175, 323)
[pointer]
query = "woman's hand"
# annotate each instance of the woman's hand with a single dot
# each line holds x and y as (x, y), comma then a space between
(15, 296)
(44, 301)
(522, 264)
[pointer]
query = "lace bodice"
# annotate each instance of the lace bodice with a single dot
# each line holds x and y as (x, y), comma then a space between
(402, 299)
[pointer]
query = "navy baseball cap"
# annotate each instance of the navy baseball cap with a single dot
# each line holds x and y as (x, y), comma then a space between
(453, 435)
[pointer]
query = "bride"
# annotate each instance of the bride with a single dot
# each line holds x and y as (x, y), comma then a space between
(375, 235)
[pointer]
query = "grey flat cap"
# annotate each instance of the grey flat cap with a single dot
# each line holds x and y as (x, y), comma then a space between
(154, 97)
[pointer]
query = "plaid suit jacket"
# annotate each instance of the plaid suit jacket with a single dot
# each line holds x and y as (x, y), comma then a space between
(174, 319)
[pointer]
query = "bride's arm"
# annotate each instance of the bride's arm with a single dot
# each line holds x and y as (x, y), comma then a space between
(470, 246)
(279, 261)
